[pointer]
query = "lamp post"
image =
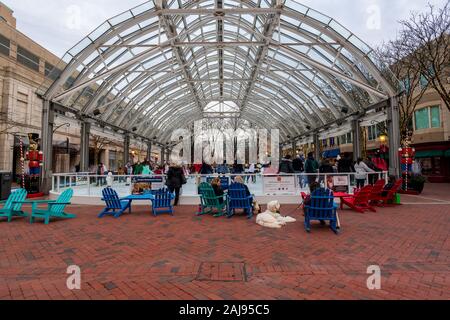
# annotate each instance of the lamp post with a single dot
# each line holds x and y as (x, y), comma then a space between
(60, 126)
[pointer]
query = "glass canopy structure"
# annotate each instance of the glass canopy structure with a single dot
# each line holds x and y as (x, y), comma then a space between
(165, 64)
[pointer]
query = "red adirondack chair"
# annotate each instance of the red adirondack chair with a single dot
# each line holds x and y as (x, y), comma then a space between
(360, 201)
(376, 192)
(389, 197)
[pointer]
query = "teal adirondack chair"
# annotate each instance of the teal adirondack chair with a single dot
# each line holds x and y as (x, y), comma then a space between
(13, 206)
(210, 201)
(55, 209)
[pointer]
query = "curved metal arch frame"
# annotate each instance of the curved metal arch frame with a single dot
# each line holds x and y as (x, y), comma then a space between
(311, 83)
(274, 89)
(116, 31)
(186, 109)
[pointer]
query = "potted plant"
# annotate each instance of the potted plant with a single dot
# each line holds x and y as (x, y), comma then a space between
(417, 183)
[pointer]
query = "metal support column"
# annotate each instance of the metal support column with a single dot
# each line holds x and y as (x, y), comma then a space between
(356, 139)
(316, 146)
(294, 148)
(163, 156)
(84, 147)
(48, 120)
(394, 137)
(126, 149)
(149, 151)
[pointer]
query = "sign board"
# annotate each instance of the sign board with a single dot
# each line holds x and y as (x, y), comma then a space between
(141, 184)
(279, 185)
(340, 184)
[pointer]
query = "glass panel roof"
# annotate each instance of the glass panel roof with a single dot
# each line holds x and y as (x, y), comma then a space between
(165, 64)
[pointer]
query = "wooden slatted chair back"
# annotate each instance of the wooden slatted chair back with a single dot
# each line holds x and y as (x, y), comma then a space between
(322, 204)
(362, 197)
(163, 198)
(111, 198)
(19, 196)
(377, 189)
(208, 195)
(398, 184)
(64, 198)
(238, 197)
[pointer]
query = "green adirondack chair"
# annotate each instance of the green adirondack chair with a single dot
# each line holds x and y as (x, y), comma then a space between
(55, 209)
(210, 201)
(13, 206)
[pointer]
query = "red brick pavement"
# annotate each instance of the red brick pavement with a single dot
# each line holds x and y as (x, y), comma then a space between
(186, 257)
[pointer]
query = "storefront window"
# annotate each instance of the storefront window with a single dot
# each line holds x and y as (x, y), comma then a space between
(373, 133)
(422, 119)
(349, 137)
(428, 118)
(435, 117)
(431, 166)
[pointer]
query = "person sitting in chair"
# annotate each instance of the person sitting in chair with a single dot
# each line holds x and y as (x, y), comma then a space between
(216, 184)
(256, 206)
(240, 180)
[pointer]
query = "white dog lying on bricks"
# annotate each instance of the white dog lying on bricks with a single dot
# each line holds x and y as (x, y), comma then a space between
(272, 218)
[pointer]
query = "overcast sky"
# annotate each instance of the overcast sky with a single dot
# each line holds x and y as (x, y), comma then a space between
(59, 24)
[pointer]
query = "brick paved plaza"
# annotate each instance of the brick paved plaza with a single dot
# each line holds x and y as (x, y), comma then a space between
(186, 257)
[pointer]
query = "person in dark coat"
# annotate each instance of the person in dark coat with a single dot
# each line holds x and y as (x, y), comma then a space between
(311, 168)
(372, 177)
(286, 165)
(206, 169)
(238, 168)
(326, 167)
(345, 165)
(175, 181)
(298, 165)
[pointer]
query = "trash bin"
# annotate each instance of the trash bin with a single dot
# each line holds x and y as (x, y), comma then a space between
(5, 184)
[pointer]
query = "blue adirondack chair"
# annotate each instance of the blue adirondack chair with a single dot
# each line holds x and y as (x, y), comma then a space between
(163, 202)
(13, 206)
(321, 208)
(114, 205)
(238, 198)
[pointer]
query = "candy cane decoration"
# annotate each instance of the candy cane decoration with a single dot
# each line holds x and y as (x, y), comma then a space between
(22, 162)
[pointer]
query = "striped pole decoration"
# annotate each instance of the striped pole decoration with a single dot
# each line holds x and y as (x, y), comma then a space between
(22, 162)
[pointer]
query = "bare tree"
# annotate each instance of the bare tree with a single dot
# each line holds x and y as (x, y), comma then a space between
(397, 56)
(99, 143)
(5, 124)
(426, 39)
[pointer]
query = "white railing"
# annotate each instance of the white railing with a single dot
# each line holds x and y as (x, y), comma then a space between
(86, 184)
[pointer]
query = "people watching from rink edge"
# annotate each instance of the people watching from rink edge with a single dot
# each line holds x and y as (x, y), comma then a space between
(362, 171)
(286, 165)
(223, 168)
(345, 165)
(311, 168)
(175, 180)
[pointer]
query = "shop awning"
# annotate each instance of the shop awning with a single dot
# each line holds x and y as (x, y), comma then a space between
(331, 153)
(447, 153)
(429, 153)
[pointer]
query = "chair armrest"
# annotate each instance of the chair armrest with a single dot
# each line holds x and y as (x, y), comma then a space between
(35, 201)
(59, 203)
